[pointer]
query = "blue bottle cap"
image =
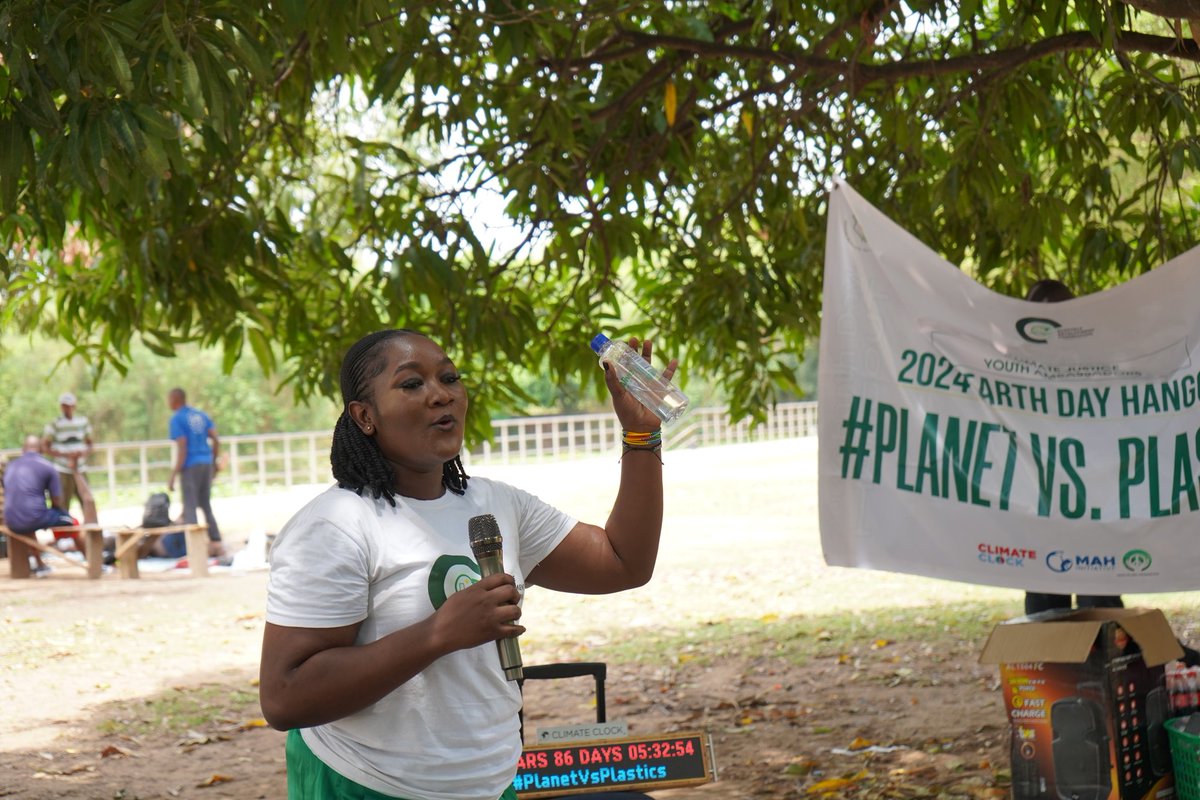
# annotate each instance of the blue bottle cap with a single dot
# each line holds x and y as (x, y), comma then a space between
(598, 342)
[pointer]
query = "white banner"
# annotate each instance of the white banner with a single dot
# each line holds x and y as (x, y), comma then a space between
(967, 435)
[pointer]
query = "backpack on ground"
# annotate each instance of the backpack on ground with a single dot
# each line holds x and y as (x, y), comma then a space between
(157, 512)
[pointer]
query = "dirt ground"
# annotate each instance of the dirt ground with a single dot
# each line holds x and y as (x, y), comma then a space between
(120, 689)
(118, 655)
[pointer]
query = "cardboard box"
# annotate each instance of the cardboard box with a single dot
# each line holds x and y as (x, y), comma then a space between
(1086, 701)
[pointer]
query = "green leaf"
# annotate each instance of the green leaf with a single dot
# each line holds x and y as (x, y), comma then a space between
(15, 150)
(214, 91)
(262, 350)
(97, 152)
(233, 340)
(169, 34)
(1176, 163)
(389, 75)
(254, 62)
(191, 87)
(154, 159)
(156, 345)
(153, 123)
(123, 133)
(120, 64)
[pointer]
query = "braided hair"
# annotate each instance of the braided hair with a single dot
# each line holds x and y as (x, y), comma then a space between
(357, 461)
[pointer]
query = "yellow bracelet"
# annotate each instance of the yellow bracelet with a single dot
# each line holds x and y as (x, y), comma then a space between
(642, 439)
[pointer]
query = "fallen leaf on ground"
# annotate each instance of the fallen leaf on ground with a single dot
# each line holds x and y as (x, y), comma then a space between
(833, 784)
(801, 767)
(195, 739)
(213, 780)
(925, 771)
(73, 770)
(873, 748)
(113, 750)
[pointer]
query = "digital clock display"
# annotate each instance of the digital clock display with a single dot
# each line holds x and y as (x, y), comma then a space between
(645, 762)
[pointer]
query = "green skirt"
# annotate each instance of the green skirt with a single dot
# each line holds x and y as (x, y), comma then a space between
(308, 778)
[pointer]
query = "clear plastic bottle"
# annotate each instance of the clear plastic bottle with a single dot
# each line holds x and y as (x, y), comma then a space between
(641, 380)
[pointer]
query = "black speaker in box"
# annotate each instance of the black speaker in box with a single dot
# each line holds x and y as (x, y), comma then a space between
(1080, 748)
(1086, 700)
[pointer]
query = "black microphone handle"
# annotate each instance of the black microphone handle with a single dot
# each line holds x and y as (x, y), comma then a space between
(510, 651)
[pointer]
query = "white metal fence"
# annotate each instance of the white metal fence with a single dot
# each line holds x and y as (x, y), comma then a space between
(129, 471)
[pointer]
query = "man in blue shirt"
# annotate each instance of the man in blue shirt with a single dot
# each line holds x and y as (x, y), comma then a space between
(196, 452)
(28, 478)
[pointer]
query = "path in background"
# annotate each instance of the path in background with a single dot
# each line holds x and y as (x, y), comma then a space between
(778, 477)
(740, 524)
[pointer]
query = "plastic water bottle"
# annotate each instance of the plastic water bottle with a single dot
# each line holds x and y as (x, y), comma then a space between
(641, 380)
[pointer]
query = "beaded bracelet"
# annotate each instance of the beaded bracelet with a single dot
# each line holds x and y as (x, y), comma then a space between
(642, 440)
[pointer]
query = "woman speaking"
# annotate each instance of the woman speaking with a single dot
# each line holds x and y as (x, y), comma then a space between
(379, 654)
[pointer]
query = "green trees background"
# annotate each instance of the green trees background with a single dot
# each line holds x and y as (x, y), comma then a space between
(133, 406)
(275, 179)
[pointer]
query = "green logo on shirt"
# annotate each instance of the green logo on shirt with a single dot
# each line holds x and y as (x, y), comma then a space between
(449, 574)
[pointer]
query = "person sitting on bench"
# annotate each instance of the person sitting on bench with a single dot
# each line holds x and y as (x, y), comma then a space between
(27, 480)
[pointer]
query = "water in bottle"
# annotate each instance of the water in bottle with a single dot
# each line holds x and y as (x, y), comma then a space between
(640, 379)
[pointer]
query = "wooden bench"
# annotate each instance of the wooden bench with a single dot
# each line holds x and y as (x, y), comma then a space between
(20, 547)
(195, 542)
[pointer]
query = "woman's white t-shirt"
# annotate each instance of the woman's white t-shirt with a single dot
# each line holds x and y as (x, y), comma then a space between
(452, 731)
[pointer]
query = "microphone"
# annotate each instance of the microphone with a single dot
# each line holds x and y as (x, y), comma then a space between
(487, 547)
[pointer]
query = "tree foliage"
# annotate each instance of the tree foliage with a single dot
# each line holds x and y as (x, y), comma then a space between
(295, 172)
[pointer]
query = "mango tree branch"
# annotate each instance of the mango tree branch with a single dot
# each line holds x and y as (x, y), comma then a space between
(869, 73)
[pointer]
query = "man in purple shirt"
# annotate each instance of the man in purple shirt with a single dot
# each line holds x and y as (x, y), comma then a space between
(27, 480)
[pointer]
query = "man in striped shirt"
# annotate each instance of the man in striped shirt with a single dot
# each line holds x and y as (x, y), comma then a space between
(67, 442)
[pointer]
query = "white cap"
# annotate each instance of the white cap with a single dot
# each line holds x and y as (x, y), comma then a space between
(66, 399)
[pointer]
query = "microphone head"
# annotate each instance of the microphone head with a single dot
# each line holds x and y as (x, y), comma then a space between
(484, 535)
